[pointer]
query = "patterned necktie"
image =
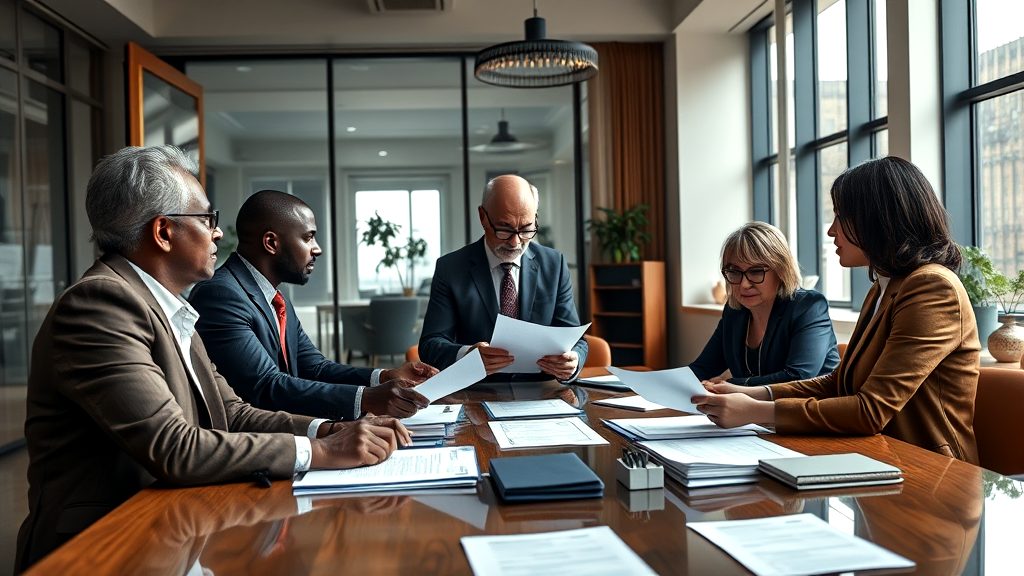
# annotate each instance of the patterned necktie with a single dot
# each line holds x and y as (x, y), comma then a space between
(282, 324)
(509, 296)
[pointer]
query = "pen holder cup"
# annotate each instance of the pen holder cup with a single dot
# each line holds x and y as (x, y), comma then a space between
(651, 476)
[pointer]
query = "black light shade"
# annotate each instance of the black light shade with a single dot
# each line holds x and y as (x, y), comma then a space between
(537, 62)
(503, 142)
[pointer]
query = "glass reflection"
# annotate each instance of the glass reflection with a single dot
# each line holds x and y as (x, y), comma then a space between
(170, 116)
(41, 46)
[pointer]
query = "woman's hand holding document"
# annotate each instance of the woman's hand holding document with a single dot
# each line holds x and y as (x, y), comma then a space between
(671, 388)
(467, 371)
(529, 342)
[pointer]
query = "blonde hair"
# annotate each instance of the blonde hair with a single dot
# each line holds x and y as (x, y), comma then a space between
(762, 243)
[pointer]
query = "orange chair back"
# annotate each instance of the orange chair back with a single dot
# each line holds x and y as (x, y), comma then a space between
(413, 353)
(998, 407)
(842, 349)
(599, 354)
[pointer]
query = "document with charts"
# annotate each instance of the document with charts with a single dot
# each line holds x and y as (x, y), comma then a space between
(514, 434)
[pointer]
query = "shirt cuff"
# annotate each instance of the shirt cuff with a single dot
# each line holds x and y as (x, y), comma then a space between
(358, 409)
(771, 395)
(303, 454)
(313, 427)
(462, 352)
(374, 379)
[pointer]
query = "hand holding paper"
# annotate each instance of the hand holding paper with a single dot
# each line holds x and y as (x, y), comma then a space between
(529, 342)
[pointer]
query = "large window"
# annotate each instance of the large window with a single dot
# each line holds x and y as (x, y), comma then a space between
(836, 106)
(49, 129)
(983, 81)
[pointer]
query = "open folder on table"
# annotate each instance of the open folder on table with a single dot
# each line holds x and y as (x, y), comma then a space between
(433, 468)
(529, 342)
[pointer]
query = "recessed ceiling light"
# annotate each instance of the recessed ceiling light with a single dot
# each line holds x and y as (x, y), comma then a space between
(243, 68)
(359, 67)
(350, 129)
(382, 153)
(560, 161)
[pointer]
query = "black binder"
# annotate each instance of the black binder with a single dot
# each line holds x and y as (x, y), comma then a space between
(544, 477)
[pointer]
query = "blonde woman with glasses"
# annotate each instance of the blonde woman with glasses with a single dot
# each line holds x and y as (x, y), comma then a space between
(771, 329)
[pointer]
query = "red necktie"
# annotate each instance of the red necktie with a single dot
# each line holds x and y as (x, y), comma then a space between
(282, 323)
(509, 296)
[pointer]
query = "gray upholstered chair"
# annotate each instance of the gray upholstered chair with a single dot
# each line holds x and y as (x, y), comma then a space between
(354, 335)
(392, 326)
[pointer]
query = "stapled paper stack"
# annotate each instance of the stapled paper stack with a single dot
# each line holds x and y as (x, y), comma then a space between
(700, 462)
(831, 471)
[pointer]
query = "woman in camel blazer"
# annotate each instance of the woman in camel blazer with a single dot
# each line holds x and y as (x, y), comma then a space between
(911, 368)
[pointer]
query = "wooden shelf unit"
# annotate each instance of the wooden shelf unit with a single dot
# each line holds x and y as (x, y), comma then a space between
(627, 307)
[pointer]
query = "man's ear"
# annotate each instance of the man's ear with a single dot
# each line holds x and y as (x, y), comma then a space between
(480, 215)
(270, 242)
(161, 232)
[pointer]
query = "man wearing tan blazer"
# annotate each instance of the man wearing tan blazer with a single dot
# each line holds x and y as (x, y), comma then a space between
(122, 394)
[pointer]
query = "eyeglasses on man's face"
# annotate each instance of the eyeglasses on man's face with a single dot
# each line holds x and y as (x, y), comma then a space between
(212, 218)
(506, 233)
(735, 275)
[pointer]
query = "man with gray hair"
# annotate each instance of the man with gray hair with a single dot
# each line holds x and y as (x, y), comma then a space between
(121, 392)
(503, 272)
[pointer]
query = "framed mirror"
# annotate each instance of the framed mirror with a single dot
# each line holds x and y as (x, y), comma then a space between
(164, 106)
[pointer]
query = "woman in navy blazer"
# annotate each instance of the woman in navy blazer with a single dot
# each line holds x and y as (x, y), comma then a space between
(771, 329)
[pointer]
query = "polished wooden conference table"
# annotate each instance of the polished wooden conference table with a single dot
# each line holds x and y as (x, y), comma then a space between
(937, 517)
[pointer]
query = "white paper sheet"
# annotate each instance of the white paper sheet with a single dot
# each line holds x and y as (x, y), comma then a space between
(581, 552)
(530, 342)
(515, 434)
(676, 427)
(670, 388)
(421, 468)
(794, 545)
(530, 409)
(731, 451)
(435, 414)
(467, 371)
(637, 403)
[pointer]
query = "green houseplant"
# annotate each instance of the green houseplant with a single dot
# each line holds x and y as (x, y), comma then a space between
(385, 234)
(980, 279)
(621, 234)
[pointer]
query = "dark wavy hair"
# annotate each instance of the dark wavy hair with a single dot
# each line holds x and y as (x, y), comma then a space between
(890, 211)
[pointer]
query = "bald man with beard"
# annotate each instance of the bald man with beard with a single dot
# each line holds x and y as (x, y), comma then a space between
(275, 367)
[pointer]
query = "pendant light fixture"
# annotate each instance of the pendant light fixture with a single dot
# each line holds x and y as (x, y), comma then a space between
(503, 142)
(537, 62)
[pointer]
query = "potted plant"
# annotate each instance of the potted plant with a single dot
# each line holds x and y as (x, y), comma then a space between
(979, 278)
(1006, 344)
(385, 233)
(622, 234)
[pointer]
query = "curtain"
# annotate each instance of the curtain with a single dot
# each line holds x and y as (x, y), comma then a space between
(626, 114)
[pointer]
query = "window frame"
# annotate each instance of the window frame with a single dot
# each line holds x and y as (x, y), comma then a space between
(859, 134)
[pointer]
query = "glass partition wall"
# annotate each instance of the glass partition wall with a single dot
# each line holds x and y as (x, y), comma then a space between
(412, 139)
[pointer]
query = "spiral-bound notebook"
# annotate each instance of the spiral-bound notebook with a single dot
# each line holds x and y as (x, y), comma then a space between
(830, 471)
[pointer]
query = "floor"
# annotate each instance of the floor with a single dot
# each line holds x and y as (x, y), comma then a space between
(14, 490)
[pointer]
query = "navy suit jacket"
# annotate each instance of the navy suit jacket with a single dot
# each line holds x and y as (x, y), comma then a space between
(798, 343)
(463, 306)
(240, 331)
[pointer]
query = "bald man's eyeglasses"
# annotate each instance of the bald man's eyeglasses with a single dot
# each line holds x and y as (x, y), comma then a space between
(506, 233)
(212, 218)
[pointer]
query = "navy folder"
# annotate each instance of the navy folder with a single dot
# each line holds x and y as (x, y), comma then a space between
(544, 477)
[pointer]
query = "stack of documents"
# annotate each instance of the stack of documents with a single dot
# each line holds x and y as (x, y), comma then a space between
(433, 424)
(831, 471)
(796, 544)
(545, 477)
(530, 409)
(700, 462)
(431, 468)
(676, 428)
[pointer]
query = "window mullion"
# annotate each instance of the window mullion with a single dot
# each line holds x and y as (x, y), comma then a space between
(805, 99)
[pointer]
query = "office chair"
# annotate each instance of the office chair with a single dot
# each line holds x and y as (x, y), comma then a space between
(392, 326)
(997, 410)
